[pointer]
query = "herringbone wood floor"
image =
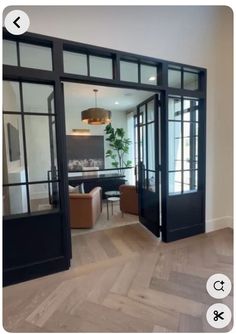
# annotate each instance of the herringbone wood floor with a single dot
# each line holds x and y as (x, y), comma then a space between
(124, 280)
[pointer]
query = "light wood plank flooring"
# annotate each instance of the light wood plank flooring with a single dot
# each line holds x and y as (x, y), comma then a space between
(124, 280)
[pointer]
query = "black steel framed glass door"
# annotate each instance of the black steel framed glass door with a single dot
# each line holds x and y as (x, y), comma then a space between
(148, 164)
(33, 207)
(183, 209)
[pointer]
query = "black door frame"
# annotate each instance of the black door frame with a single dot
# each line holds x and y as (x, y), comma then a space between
(57, 76)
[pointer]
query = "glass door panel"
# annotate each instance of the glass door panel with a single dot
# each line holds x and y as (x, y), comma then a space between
(29, 148)
(183, 209)
(148, 188)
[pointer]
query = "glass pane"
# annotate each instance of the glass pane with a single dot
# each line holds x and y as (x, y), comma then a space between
(174, 78)
(101, 67)
(186, 153)
(152, 181)
(190, 81)
(14, 200)
(142, 113)
(174, 108)
(196, 152)
(35, 56)
(186, 181)
(143, 144)
(187, 145)
(196, 180)
(128, 71)
(150, 111)
(145, 179)
(174, 145)
(190, 180)
(148, 74)
(40, 150)
(43, 196)
(186, 111)
(190, 145)
(190, 110)
(11, 96)
(9, 53)
(75, 63)
(38, 98)
(13, 152)
(151, 146)
(136, 153)
(175, 180)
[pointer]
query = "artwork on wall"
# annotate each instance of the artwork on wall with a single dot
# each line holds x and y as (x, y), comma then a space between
(85, 151)
(14, 142)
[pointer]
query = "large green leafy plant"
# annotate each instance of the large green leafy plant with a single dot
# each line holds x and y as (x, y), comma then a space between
(119, 147)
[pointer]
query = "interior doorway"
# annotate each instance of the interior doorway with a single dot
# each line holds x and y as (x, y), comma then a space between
(92, 158)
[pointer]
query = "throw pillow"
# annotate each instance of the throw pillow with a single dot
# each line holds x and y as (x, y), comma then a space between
(72, 189)
(78, 189)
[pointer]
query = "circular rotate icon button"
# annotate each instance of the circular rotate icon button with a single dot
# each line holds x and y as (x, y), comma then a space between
(218, 286)
(219, 315)
(17, 22)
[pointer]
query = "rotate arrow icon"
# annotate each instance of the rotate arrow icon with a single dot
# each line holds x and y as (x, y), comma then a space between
(15, 22)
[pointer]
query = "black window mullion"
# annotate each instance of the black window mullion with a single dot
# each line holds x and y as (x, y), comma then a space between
(18, 53)
(29, 183)
(182, 146)
(88, 65)
(139, 72)
(146, 135)
(182, 81)
(192, 143)
(135, 139)
(156, 143)
(116, 67)
(24, 147)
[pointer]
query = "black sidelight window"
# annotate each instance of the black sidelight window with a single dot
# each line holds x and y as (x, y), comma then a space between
(182, 144)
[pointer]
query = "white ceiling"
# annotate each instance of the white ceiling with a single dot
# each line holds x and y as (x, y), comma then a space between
(81, 96)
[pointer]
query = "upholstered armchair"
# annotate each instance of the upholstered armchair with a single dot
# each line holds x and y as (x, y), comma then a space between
(85, 209)
(128, 199)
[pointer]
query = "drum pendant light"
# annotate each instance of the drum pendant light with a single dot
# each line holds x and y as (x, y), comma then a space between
(96, 116)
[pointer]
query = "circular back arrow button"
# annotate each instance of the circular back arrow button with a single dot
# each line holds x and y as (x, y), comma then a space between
(17, 22)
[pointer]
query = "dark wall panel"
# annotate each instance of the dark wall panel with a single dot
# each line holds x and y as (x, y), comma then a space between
(32, 239)
(185, 216)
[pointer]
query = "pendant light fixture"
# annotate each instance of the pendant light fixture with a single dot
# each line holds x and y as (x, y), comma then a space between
(96, 116)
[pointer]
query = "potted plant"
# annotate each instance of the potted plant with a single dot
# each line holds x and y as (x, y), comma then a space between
(119, 147)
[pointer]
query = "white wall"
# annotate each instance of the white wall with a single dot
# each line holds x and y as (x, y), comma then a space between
(73, 121)
(200, 36)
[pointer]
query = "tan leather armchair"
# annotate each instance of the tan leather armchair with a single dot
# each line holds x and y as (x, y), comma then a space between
(85, 209)
(128, 199)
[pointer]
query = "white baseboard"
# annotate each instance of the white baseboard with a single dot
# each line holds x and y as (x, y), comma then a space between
(219, 223)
